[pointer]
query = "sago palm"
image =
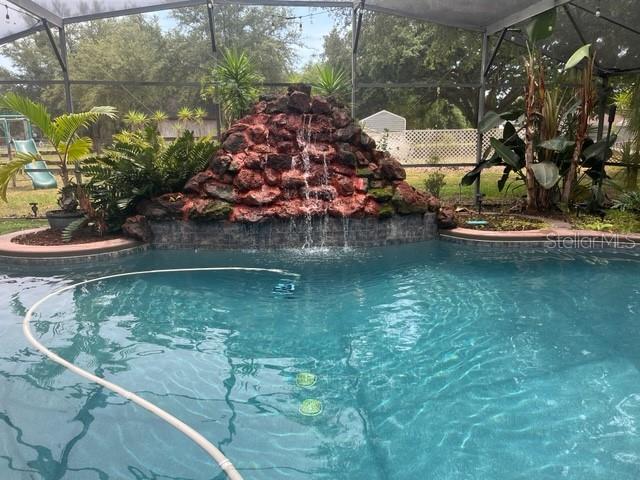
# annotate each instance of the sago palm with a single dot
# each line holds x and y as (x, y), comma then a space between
(234, 84)
(62, 132)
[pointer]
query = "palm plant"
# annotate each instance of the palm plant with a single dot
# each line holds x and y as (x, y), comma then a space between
(234, 84)
(331, 81)
(135, 120)
(63, 134)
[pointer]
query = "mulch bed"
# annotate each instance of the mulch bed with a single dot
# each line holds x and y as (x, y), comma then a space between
(500, 223)
(50, 237)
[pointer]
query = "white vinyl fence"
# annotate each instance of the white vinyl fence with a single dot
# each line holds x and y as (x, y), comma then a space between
(432, 147)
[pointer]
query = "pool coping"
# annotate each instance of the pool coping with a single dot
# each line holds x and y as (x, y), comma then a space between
(559, 235)
(15, 253)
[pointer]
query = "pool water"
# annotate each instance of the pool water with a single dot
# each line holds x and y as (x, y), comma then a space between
(431, 361)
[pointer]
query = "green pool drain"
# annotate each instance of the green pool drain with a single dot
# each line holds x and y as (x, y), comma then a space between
(311, 407)
(306, 379)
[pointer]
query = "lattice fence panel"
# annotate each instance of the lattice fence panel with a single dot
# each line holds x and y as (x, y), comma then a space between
(434, 147)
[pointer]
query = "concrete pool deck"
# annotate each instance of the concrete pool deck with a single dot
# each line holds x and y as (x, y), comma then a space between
(558, 235)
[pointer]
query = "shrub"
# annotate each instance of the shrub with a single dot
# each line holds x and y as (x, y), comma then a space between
(141, 165)
(434, 183)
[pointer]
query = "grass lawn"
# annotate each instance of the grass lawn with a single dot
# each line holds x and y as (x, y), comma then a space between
(20, 196)
(14, 224)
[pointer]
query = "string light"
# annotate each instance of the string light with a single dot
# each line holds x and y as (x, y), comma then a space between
(297, 18)
(8, 7)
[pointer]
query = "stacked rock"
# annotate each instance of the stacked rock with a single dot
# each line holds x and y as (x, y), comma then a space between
(295, 155)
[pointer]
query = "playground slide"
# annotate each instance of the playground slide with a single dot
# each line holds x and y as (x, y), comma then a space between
(43, 178)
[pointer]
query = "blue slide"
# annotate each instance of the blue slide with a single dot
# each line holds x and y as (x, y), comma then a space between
(43, 178)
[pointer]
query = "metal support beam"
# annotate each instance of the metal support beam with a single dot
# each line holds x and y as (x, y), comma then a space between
(37, 10)
(603, 95)
(481, 102)
(495, 52)
(62, 35)
(354, 65)
(358, 27)
(525, 14)
(214, 51)
(62, 61)
(212, 27)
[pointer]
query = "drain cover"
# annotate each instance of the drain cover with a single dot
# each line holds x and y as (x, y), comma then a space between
(311, 407)
(306, 379)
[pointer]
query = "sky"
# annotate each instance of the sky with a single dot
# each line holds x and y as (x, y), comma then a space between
(313, 30)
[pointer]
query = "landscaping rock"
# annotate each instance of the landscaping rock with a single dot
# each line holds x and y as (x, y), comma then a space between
(294, 156)
(138, 227)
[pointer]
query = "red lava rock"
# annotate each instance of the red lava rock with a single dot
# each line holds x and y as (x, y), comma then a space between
(347, 133)
(321, 152)
(235, 142)
(263, 196)
(264, 149)
(360, 184)
(279, 161)
(260, 107)
(220, 163)
(253, 161)
(258, 133)
(391, 169)
(220, 190)
(248, 179)
(344, 185)
(300, 102)
(137, 227)
(272, 177)
(371, 207)
(320, 106)
(262, 171)
(446, 218)
(347, 206)
(293, 179)
(322, 192)
(407, 199)
(342, 169)
(194, 185)
(341, 118)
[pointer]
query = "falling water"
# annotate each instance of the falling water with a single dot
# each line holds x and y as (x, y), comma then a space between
(304, 140)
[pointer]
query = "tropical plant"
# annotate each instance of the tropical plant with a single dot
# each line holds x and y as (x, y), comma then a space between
(331, 82)
(141, 165)
(629, 103)
(546, 144)
(135, 120)
(628, 201)
(234, 84)
(63, 133)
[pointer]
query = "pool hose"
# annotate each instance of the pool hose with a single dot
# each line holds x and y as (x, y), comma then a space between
(223, 462)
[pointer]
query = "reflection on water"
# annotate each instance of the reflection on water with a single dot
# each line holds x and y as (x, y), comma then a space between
(433, 361)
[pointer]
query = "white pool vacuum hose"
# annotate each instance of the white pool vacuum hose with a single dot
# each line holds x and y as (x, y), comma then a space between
(223, 462)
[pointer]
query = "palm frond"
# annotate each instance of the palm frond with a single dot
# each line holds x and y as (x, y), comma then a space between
(10, 169)
(72, 228)
(79, 149)
(36, 112)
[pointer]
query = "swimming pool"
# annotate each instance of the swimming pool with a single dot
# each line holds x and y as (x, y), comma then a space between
(432, 360)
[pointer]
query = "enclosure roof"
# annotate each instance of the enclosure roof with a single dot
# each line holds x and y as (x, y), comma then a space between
(26, 16)
(612, 31)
